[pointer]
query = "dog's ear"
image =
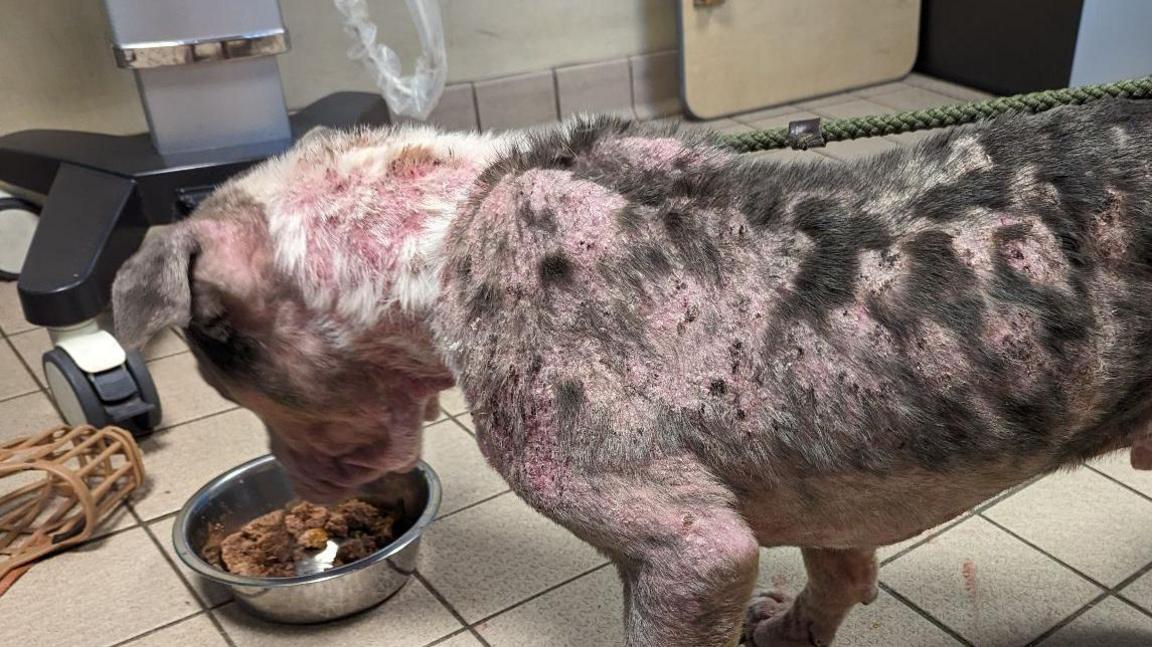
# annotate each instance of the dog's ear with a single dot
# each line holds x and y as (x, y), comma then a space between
(152, 291)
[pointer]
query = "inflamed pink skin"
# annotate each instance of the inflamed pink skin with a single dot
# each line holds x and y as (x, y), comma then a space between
(679, 353)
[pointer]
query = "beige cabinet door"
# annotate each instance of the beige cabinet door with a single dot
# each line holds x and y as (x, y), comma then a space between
(740, 55)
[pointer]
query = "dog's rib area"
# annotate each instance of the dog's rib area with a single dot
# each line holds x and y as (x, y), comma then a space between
(941, 309)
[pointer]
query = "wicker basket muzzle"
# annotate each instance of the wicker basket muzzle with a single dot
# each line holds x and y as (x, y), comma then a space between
(56, 487)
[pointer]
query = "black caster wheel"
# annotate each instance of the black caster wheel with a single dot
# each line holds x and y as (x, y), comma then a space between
(124, 396)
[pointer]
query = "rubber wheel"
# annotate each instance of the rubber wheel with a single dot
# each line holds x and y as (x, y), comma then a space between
(72, 392)
(138, 369)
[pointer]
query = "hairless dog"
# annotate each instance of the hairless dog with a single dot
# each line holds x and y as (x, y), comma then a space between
(681, 354)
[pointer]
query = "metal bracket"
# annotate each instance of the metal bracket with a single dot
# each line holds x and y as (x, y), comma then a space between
(186, 52)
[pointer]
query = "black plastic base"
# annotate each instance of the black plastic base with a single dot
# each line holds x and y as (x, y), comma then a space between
(104, 191)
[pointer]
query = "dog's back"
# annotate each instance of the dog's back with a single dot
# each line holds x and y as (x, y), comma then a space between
(977, 305)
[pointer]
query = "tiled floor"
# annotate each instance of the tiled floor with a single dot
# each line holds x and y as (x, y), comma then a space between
(1065, 561)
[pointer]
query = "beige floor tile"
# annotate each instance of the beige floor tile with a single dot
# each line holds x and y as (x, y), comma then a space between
(184, 395)
(465, 420)
(210, 594)
(1140, 592)
(779, 120)
(463, 639)
(31, 345)
(828, 100)
(197, 631)
(587, 611)
(888, 622)
(1090, 523)
(790, 155)
(988, 586)
(11, 314)
(452, 401)
(858, 148)
(781, 569)
(182, 459)
(766, 113)
(1119, 467)
(914, 98)
(723, 126)
(411, 618)
(14, 377)
(34, 343)
(945, 87)
(26, 415)
(855, 107)
(915, 137)
(491, 556)
(1111, 623)
(99, 594)
(926, 537)
(882, 88)
(165, 344)
(465, 475)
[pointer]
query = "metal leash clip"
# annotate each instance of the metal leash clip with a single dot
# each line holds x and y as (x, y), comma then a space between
(805, 133)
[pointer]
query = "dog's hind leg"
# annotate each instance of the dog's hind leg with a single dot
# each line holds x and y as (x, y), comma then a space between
(837, 581)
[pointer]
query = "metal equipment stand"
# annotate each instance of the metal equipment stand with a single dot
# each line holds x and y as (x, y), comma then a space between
(210, 86)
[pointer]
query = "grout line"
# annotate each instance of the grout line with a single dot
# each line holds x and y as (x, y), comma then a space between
(443, 639)
(924, 614)
(176, 569)
(462, 425)
(1126, 582)
(556, 92)
(473, 504)
(949, 525)
(1120, 483)
(1040, 550)
(220, 626)
(475, 107)
(1045, 635)
(632, 88)
(1007, 494)
(189, 421)
(160, 628)
(38, 389)
(542, 593)
(451, 609)
(1132, 604)
(27, 369)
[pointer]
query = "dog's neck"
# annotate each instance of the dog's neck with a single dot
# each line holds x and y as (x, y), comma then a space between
(416, 281)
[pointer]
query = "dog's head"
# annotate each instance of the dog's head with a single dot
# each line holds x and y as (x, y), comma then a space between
(302, 288)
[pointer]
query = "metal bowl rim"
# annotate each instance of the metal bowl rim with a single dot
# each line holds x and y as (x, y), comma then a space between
(193, 560)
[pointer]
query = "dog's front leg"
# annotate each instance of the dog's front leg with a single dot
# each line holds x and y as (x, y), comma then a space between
(837, 581)
(690, 586)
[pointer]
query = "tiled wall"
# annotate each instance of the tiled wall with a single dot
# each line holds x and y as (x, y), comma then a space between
(56, 69)
(645, 86)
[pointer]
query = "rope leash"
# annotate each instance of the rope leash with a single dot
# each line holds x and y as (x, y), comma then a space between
(814, 133)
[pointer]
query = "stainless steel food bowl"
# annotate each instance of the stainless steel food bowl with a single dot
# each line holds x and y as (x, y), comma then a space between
(260, 486)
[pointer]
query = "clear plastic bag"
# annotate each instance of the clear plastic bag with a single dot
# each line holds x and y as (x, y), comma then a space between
(415, 95)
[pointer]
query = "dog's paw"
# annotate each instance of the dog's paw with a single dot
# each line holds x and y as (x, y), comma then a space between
(768, 623)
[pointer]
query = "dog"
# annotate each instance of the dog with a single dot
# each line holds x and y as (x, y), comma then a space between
(679, 353)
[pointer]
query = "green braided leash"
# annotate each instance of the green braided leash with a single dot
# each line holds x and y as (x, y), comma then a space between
(815, 133)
